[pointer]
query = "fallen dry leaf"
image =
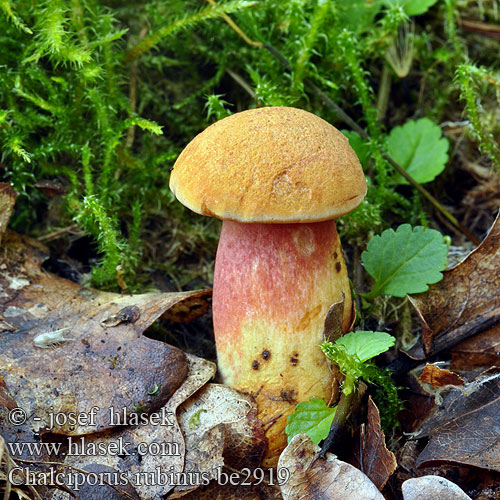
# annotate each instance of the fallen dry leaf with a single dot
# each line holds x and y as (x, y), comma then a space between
(244, 442)
(371, 455)
(432, 487)
(466, 301)
(155, 473)
(482, 350)
(96, 365)
(317, 478)
(202, 461)
(333, 321)
(216, 491)
(203, 419)
(439, 377)
(465, 428)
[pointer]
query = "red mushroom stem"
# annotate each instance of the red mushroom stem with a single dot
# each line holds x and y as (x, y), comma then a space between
(273, 285)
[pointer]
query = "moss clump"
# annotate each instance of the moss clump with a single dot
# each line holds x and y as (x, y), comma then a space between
(102, 96)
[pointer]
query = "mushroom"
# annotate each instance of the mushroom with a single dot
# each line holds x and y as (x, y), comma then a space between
(277, 177)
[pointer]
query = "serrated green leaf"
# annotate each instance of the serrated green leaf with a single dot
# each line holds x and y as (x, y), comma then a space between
(313, 418)
(360, 146)
(418, 146)
(365, 344)
(405, 261)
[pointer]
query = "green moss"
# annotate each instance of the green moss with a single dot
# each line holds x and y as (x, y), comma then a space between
(102, 97)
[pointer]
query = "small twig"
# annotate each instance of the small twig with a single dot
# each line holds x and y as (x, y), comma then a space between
(9, 463)
(341, 414)
(56, 234)
(242, 83)
(433, 200)
(236, 28)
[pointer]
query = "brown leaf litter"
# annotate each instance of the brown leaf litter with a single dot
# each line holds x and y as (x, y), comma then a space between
(466, 301)
(371, 455)
(316, 478)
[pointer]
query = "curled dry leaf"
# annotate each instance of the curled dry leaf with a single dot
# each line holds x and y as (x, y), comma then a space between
(152, 474)
(214, 412)
(83, 362)
(482, 350)
(466, 301)
(465, 429)
(372, 456)
(439, 377)
(245, 442)
(432, 487)
(326, 479)
(333, 320)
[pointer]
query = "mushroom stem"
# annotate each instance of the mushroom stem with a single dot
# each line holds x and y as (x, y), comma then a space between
(273, 285)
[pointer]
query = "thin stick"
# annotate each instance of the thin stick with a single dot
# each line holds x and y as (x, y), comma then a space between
(237, 78)
(59, 232)
(236, 28)
(341, 414)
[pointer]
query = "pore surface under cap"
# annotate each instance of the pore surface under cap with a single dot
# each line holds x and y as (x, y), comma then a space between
(274, 164)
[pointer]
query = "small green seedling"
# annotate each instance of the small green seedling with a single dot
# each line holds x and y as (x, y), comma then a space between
(351, 353)
(194, 420)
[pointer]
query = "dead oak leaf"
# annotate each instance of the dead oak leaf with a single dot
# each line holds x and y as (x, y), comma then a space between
(321, 479)
(466, 301)
(95, 366)
(482, 350)
(465, 429)
(155, 458)
(372, 456)
(438, 377)
(216, 408)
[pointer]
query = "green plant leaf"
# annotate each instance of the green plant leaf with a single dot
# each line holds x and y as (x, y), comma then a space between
(313, 418)
(417, 7)
(357, 15)
(365, 344)
(405, 261)
(360, 146)
(418, 146)
(412, 7)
